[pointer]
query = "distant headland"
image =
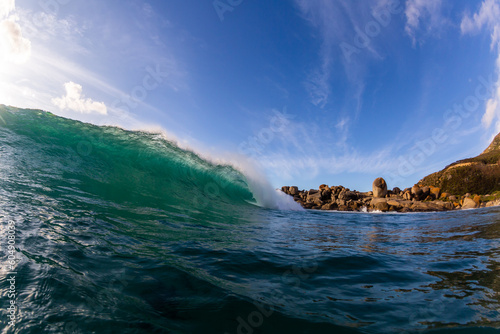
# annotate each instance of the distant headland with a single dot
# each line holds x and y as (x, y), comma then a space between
(465, 184)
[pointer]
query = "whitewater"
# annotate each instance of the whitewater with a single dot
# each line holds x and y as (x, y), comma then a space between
(117, 231)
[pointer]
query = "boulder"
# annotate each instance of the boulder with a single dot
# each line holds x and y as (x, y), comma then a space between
(493, 203)
(285, 189)
(379, 204)
(379, 188)
(469, 203)
(293, 190)
(335, 190)
(348, 195)
(314, 198)
(445, 205)
(326, 194)
(417, 192)
(344, 208)
(396, 191)
(407, 195)
(395, 204)
(426, 207)
(435, 192)
(323, 187)
(329, 206)
(426, 191)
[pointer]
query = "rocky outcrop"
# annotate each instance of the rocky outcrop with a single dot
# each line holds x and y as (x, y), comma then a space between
(379, 188)
(414, 199)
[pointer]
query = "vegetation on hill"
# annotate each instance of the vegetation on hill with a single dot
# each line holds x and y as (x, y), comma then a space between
(478, 175)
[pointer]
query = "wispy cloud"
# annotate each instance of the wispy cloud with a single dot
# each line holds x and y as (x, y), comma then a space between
(75, 100)
(423, 15)
(327, 19)
(346, 30)
(488, 17)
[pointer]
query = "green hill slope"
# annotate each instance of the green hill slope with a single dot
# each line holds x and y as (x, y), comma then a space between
(478, 175)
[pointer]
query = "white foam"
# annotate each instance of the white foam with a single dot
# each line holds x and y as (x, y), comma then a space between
(265, 195)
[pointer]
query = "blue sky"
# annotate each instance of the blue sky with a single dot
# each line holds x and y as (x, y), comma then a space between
(336, 92)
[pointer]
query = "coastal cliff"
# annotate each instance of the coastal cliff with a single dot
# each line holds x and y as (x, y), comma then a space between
(478, 175)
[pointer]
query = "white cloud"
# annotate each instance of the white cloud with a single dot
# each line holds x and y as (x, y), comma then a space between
(74, 100)
(420, 13)
(490, 113)
(488, 16)
(14, 47)
(6, 6)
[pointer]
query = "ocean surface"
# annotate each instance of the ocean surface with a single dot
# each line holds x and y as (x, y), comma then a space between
(123, 232)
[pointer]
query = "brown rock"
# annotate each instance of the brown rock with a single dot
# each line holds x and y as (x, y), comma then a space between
(323, 187)
(444, 205)
(344, 208)
(354, 205)
(348, 195)
(293, 190)
(493, 203)
(380, 204)
(329, 206)
(308, 205)
(426, 207)
(425, 191)
(314, 198)
(407, 195)
(395, 204)
(326, 194)
(417, 192)
(379, 188)
(469, 204)
(435, 192)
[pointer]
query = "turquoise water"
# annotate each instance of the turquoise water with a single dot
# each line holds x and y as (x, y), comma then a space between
(124, 232)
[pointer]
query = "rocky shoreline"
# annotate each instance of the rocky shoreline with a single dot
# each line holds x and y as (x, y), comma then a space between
(414, 199)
